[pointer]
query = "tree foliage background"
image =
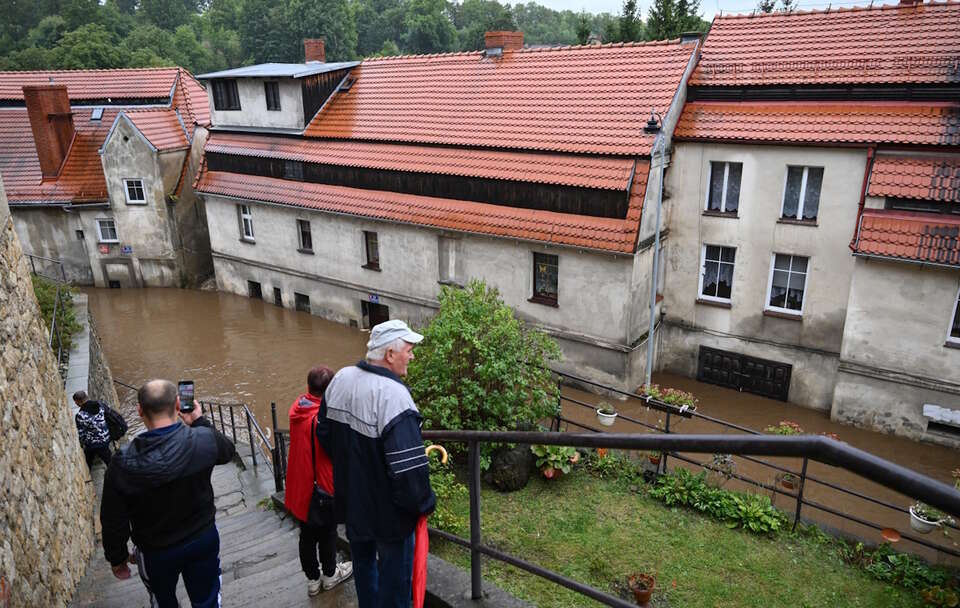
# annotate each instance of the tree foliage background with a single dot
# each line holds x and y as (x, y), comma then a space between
(480, 368)
(209, 35)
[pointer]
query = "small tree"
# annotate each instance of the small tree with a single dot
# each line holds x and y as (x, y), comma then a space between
(480, 368)
(583, 28)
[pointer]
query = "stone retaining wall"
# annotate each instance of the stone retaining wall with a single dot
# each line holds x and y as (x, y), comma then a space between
(46, 505)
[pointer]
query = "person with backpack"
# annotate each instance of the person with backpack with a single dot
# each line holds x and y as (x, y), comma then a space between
(92, 428)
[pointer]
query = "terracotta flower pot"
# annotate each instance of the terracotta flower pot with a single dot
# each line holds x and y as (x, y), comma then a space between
(654, 459)
(641, 585)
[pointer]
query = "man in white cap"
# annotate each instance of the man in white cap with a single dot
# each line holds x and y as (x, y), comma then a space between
(370, 427)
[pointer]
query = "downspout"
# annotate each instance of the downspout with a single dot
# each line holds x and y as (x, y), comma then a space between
(863, 197)
(661, 139)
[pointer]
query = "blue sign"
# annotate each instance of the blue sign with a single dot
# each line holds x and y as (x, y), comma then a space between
(126, 249)
(374, 298)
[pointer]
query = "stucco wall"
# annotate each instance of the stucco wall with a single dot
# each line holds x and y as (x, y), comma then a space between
(253, 105)
(894, 349)
(46, 524)
(50, 232)
(757, 234)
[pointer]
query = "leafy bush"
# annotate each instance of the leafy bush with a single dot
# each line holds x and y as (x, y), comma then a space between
(889, 566)
(46, 292)
(480, 368)
(612, 466)
(749, 511)
(450, 492)
(556, 457)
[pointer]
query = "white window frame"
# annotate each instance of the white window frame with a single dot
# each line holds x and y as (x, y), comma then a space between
(126, 191)
(803, 193)
(723, 196)
(300, 245)
(703, 272)
(244, 214)
(100, 238)
(806, 282)
(953, 318)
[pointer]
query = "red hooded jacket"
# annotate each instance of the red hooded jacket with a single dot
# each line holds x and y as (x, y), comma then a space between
(303, 412)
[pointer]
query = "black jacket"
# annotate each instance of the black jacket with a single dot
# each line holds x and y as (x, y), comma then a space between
(157, 489)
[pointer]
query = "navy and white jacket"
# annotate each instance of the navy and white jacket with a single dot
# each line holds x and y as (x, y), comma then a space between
(370, 427)
(92, 425)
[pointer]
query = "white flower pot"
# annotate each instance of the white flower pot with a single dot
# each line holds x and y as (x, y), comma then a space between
(606, 419)
(921, 525)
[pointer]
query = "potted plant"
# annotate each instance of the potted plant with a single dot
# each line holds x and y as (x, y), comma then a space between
(724, 466)
(788, 480)
(673, 396)
(606, 414)
(924, 518)
(641, 585)
(553, 460)
(654, 458)
(785, 427)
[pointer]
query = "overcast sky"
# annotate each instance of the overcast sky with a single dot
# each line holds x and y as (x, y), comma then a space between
(708, 8)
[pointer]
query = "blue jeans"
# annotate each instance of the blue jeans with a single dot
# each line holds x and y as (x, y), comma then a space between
(383, 572)
(197, 559)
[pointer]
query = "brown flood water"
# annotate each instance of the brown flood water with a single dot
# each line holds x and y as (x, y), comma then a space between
(239, 349)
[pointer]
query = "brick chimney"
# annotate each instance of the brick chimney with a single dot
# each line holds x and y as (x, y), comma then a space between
(497, 42)
(313, 50)
(51, 121)
(910, 2)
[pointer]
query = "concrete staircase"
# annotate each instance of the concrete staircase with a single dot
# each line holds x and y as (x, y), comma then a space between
(258, 553)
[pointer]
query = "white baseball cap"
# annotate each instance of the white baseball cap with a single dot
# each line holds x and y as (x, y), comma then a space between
(388, 331)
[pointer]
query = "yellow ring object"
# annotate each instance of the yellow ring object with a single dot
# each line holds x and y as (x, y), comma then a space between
(443, 452)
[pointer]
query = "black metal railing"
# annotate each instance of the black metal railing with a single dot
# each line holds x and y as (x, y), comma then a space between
(808, 447)
(800, 500)
(258, 440)
(52, 270)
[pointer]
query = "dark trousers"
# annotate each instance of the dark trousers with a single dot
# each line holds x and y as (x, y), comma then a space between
(103, 451)
(318, 540)
(383, 573)
(197, 559)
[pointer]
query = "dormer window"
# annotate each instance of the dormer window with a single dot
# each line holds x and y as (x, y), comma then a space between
(225, 95)
(271, 91)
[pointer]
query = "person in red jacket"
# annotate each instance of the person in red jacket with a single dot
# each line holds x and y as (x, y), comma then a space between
(301, 473)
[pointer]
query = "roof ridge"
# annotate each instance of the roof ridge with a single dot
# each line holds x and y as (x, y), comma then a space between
(562, 47)
(839, 9)
(76, 71)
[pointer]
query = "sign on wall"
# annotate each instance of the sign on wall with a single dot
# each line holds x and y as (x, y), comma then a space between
(104, 248)
(126, 249)
(374, 298)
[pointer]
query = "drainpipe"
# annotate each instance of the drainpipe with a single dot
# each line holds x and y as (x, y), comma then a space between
(863, 197)
(656, 264)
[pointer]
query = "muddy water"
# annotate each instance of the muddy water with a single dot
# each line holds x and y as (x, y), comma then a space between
(240, 349)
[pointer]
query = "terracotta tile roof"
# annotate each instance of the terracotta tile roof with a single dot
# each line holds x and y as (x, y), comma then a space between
(887, 44)
(117, 84)
(920, 123)
(544, 226)
(922, 237)
(190, 98)
(80, 180)
(161, 127)
(568, 170)
(586, 99)
(935, 178)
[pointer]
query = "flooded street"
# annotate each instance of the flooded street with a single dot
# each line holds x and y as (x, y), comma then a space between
(239, 349)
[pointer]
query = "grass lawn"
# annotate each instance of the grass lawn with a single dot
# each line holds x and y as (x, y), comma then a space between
(600, 531)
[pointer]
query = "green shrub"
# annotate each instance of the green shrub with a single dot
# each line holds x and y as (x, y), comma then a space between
(46, 292)
(450, 492)
(613, 466)
(560, 457)
(480, 368)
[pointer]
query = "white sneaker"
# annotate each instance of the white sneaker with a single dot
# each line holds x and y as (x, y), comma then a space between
(313, 587)
(343, 572)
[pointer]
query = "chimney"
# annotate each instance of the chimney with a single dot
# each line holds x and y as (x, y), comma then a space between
(51, 121)
(313, 50)
(498, 42)
(910, 2)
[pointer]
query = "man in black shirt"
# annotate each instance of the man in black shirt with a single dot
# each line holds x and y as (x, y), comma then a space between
(157, 490)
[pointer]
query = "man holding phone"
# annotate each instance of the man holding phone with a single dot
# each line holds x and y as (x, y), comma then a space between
(157, 490)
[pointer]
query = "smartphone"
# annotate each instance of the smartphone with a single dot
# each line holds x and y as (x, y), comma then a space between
(186, 392)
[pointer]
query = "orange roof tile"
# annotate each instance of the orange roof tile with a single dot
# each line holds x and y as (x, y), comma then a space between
(585, 99)
(545, 226)
(922, 237)
(118, 84)
(568, 170)
(935, 178)
(920, 123)
(886, 44)
(80, 180)
(161, 127)
(190, 98)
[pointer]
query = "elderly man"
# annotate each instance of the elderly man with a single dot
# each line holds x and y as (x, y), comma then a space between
(371, 429)
(157, 490)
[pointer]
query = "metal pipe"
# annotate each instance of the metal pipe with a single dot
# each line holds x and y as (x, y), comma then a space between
(822, 449)
(476, 581)
(656, 259)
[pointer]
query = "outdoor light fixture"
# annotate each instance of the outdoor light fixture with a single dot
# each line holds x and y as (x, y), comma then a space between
(653, 127)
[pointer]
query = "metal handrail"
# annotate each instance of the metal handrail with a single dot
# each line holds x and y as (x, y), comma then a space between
(60, 281)
(809, 447)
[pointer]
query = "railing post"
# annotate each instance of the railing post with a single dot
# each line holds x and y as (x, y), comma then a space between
(233, 427)
(476, 585)
(803, 479)
(213, 419)
(253, 448)
(33, 265)
(666, 430)
(220, 408)
(275, 454)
